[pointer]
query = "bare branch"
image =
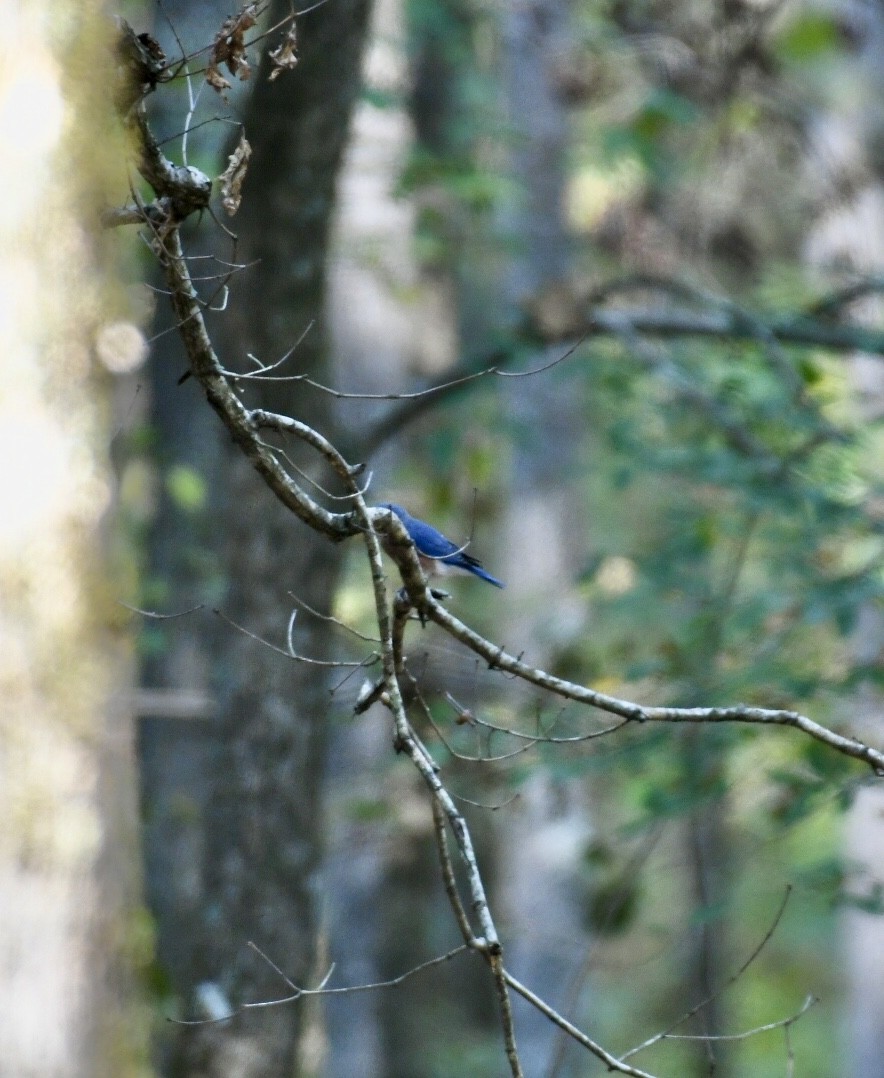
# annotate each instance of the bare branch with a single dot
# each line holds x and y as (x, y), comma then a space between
(288, 651)
(270, 420)
(809, 1002)
(732, 980)
(264, 369)
(448, 878)
(321, 990)
(484, 805)
(313, 482)
(161, 617)
(241, 423)
(586, 316)
(498, 659)
(495, 960)
(553, 1015)
(332, 619)
(439, 823)
(520, 735)
(407, 742)
(475, 759)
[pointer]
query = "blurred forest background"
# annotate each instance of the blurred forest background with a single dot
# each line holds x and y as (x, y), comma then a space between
(687, 510)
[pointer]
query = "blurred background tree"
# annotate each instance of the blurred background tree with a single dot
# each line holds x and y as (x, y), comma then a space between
(74, 937)
(683, 519)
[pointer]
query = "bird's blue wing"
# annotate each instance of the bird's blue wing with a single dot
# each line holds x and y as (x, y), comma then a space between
(430, 542)
(434, 545)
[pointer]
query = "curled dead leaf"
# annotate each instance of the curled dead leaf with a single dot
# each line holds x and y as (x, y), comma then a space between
(232, 177)
(229, 47)
(216, 80)
(285, 56)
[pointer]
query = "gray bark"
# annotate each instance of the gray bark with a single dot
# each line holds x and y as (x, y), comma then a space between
(263, 833)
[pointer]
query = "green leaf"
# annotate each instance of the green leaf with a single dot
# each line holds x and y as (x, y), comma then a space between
(809, 37)
(368, 809)
(186, 488)
(380, 98)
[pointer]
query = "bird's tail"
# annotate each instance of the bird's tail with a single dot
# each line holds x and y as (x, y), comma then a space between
(479, 571)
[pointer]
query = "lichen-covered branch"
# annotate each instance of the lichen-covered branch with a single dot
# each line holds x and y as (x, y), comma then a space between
(498, 659)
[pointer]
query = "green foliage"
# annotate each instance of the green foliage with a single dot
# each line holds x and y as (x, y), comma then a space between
(648, 136)
(368, 809)
(734, 544)
(740, 550)
(613, 890)
(380, 98)
(728, 496)
(808, 38)
(186, 488)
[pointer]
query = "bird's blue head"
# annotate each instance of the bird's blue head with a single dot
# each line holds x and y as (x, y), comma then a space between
(397, 509)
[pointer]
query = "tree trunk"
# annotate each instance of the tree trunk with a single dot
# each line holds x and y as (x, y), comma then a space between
(264, 823)
(70, 930)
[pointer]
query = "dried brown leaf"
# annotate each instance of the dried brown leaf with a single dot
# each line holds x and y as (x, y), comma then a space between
(229, 47)
(285, 56)
(232, 177)
(216, 80)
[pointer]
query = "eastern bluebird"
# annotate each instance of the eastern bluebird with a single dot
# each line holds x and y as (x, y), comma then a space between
(437, 554)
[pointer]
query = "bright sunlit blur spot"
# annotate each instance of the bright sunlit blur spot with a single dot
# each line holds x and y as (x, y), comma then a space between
(616, 575)
(32, 480)
(35, 479)
(19, 302)
(31, 109)
(593, 191)
(121, 347)
(31, 120)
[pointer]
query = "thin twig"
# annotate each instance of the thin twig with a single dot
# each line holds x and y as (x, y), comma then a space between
(484, 805)
(161, 617)
(332, 620)
(781, 1023)
(289, 653)
(495, 960)
(756, 951)
(578, 1035)
(448, 877)
(299, 993)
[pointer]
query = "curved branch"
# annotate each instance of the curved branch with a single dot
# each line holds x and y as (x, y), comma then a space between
(242, 424)
(575, 315)
(498, 659)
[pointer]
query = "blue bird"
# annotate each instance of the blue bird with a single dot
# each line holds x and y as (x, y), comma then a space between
(437, 554)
